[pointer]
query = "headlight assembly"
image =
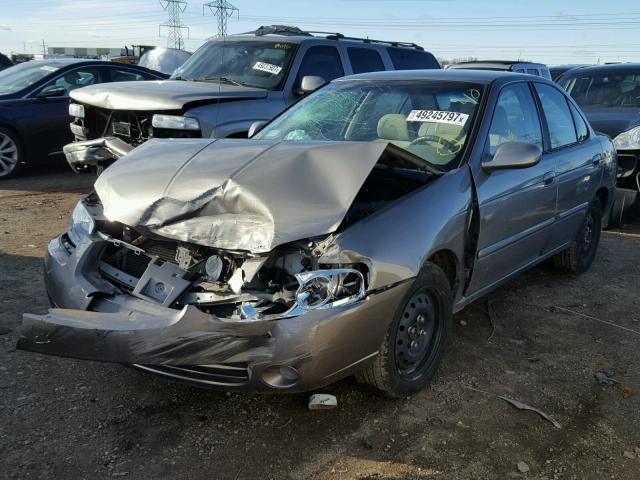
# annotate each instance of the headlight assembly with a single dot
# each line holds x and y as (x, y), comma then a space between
(76, 110)
(318, 289)
(175, 122)
(81, 224)
(328, 288)
(629, 140)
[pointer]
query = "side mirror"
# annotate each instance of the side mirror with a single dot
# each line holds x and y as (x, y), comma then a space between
(310, 83)
(52, 91)
(255, 128)
(514, 155)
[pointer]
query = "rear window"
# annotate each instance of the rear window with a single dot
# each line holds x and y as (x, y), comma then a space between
(407, 59)
(365, 60)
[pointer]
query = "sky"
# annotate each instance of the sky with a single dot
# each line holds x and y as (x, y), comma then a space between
(548, 31)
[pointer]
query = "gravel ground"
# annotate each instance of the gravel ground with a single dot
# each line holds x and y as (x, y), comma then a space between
(71, 419)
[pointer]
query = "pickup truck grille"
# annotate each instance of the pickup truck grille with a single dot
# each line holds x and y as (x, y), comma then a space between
(132, 127)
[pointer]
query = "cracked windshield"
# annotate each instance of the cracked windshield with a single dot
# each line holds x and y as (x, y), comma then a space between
(250, 64)
(428, 119)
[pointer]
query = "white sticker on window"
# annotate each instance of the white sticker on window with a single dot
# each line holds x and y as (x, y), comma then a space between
(48, 68)
(267, 67)
(438, 116)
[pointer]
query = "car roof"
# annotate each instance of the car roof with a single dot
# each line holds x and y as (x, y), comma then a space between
(610, 68)
(462, 75)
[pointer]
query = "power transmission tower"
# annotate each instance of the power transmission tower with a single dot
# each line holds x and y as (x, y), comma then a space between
(223, 10)
(175, 26)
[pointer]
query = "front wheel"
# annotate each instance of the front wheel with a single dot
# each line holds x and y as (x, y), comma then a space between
(414, 345)
(579, 256)
(10, 154)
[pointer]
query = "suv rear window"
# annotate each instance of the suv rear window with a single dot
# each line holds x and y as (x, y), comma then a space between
(365, 60)
(407, 59)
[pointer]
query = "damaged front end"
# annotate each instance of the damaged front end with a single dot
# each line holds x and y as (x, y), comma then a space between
(256, 309)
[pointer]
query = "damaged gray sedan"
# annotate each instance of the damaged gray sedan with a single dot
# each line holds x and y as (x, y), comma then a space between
(338, 240)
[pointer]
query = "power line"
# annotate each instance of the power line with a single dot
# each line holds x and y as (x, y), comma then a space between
(223, 10)
(175, 26)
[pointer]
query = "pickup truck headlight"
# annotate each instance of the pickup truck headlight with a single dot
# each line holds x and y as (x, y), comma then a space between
(81, 224)
(629, 140)
(76, 110)
(175, 122)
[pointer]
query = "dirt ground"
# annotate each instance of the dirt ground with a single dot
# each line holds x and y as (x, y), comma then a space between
(71, 419)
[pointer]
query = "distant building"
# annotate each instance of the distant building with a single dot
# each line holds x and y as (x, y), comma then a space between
(85, 52)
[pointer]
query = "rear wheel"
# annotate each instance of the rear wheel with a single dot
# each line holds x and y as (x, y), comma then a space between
(414, 345)
(10, 154)
(579, 256)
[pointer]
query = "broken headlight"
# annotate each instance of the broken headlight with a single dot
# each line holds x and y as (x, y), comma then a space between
(329, 288)
(81, 223)
(175, 122)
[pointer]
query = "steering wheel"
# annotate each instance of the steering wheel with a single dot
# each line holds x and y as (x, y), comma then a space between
(438, 141)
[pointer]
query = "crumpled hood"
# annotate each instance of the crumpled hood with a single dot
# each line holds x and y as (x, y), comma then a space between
(159, 94)
(612, 121)
(236, 194)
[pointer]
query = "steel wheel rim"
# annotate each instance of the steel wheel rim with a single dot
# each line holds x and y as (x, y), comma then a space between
(8, 154)
(587, 233)
(416, 335)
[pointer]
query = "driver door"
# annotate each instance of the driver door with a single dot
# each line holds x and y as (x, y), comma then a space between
(517, 206)
(51, 115)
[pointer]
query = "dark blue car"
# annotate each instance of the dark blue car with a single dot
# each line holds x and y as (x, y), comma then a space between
(34, 98)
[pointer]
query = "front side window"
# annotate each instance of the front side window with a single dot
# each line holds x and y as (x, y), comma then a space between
(559, 120)
(604, 89)
(515, 119)
(365, 60)
(250, 63)
(431, 120)
(321, 61)
(19, 77)
(78, 78)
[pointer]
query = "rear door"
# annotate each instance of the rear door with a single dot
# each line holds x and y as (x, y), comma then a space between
(517, 206)
(577, 160)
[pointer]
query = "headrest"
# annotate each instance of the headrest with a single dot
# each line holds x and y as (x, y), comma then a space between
(441, 129)
(393, 126)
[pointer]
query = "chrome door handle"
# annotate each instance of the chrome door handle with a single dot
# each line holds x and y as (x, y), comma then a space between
(596, 159)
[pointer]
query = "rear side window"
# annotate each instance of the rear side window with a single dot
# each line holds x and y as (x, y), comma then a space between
(533, 71)
(407, 59)
(581, 125)
(559, 120)
(322, 61)
(515, 119)
(365, 60)
(124, 75)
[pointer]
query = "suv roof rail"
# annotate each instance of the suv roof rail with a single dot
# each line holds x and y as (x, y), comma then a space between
(295, 31)
(279, 30)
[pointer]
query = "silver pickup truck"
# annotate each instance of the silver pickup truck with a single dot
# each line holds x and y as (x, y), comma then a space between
(227, 86)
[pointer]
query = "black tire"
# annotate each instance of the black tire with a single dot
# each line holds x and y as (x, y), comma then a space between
(413, 347)
(579, 256)
(11, 154)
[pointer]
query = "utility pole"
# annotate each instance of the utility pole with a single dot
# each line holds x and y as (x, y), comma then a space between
(44, 47)
(175, 26)
(223, 10)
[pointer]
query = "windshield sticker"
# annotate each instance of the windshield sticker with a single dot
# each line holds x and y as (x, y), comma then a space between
(48, 68)
(267, 67)
(438, 116)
